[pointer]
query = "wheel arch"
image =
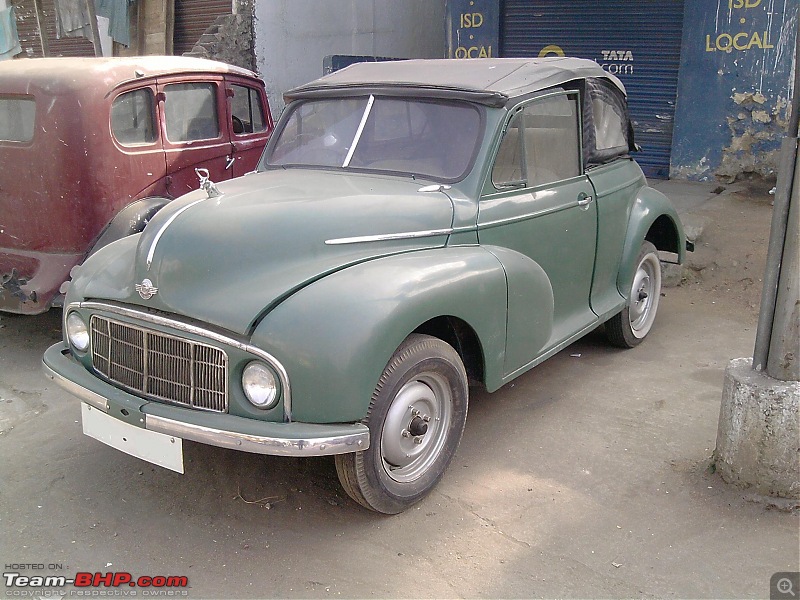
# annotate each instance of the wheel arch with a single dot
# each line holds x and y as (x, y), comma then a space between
(663, 234)
(652, 219)
(463, 338)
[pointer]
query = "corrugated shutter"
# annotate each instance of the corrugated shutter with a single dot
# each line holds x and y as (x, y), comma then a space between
(30, 40)
(192, 18)
(637, 40)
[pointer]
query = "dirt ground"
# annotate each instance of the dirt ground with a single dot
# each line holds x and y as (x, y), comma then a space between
(587, 477)
(729, 258)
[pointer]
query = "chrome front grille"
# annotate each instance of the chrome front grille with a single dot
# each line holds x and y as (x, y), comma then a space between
(160, 366)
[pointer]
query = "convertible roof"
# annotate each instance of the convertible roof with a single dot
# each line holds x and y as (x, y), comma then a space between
(490, 81)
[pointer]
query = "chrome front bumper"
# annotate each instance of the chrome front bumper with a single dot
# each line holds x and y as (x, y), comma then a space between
(223, 430)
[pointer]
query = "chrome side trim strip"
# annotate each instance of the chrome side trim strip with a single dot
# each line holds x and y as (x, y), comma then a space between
(257, 444)
(88, 396)
(161, 231)
(199, 331)
(408, 235)
(526, 217)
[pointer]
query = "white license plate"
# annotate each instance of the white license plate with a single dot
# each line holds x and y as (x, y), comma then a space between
(157, 448)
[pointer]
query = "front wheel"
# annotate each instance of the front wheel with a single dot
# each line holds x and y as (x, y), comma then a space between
(415, 418)
(629, 327)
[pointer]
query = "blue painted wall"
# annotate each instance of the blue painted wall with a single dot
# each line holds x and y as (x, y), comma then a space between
(734, 89)
(473, 28)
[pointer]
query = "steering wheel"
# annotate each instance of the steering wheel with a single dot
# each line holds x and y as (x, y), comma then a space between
(238, 125)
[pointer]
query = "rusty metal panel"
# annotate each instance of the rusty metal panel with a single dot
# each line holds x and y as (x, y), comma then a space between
(639, 41)
(193, 18)
(29, 39)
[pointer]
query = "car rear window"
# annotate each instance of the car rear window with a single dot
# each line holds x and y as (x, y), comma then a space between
(17, 116)
(132, 120)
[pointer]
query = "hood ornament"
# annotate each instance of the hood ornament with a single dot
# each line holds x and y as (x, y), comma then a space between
(146, 289)
(206, 184)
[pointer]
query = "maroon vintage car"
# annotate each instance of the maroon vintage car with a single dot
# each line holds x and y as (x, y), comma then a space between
(91, 148)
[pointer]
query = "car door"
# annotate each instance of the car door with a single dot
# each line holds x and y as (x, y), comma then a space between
(193, 121)
(540, 204)
(250, 122)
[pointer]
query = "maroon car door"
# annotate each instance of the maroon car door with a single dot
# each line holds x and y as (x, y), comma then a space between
(195, 131)
(250, 121)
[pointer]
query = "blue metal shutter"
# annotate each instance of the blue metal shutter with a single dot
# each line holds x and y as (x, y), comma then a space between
(637, 40)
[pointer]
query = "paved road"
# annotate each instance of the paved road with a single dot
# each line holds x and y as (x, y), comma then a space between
(586, 477)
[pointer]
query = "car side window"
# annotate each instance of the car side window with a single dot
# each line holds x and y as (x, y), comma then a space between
(540, 145)
(16, 119)
(247, 112)
(132, 120)
(190, 111)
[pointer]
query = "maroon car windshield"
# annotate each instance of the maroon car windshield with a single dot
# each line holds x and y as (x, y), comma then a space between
(428, 138)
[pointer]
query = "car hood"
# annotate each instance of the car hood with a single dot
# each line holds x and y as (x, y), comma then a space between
(228, 260)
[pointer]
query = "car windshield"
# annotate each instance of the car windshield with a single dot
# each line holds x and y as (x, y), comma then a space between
(428, 138)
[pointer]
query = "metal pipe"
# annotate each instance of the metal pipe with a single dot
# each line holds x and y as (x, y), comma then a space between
(777, 234)
(783, 361)
(794, 119)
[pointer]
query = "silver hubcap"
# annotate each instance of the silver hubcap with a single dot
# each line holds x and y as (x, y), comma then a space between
(416, 427)
(644, 295)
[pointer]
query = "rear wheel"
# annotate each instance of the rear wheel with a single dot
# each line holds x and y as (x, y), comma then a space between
(629, 327)
(415, 418)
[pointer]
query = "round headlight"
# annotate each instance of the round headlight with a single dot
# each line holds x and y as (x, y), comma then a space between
(77, 332)
(259, 385)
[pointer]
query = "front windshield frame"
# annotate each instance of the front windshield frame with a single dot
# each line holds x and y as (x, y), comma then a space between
(287, 114)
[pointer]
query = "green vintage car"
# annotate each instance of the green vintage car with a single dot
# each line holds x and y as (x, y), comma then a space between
(413, 228)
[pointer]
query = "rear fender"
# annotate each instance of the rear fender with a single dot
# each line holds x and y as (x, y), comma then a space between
(652, 219)
(335, 336)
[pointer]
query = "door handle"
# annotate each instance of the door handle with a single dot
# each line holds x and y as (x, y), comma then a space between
(584, 201)
(229, 162)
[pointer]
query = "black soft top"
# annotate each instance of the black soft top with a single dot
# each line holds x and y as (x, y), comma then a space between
(489, 81)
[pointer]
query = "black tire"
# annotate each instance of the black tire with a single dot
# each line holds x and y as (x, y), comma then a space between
(415, 418)
(629, 327)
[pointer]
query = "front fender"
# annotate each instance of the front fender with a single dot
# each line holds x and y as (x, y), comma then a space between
(131, 219)
(652, 218)
(335, 336)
